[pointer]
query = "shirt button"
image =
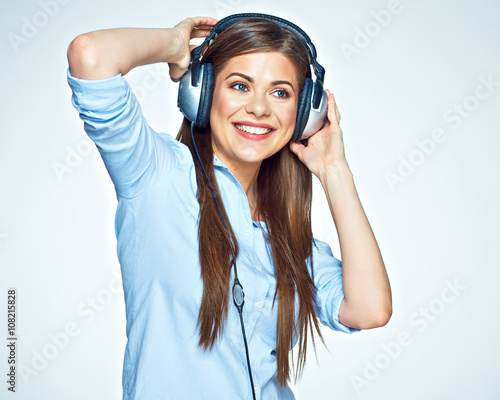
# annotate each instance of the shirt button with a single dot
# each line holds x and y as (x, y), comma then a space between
(248, 232)
(258, 268)
(260, 304)
(256, 389)
(243, 349)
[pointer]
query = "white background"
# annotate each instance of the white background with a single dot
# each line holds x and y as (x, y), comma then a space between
(434, 214)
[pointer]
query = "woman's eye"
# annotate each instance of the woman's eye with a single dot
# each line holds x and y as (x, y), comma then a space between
(281, 93)
(239, 86)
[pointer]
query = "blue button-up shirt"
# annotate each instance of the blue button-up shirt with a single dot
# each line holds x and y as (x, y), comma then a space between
(157, 241)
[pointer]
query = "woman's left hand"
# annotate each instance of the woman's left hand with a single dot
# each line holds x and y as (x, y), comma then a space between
(325, 148)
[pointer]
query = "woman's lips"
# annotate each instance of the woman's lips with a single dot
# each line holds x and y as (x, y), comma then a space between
(255, 127)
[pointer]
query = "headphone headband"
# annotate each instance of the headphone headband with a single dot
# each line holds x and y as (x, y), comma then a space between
(232, 19)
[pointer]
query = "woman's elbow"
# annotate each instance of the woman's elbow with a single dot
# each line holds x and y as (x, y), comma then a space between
(80, 56)
(380, 318)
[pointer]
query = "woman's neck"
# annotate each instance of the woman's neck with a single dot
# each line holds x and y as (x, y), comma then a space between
(246, 174)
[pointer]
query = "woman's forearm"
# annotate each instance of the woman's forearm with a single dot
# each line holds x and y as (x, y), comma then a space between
(368, 302)
(104, 53)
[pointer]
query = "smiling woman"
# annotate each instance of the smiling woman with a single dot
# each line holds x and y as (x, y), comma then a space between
(226, 205)
(250, 100)
(259, 69)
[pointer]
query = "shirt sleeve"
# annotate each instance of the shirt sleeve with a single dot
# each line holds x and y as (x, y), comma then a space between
(133, 153)
(330, 290)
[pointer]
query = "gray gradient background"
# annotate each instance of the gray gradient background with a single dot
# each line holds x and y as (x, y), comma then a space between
(438, 225)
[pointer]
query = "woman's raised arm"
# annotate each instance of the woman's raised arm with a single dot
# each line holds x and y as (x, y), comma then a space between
(134, 154)
(104, 53)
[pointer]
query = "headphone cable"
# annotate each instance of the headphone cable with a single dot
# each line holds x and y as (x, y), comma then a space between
(238, 294)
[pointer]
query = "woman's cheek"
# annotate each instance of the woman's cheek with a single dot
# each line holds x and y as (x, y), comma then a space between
(289, 113)
(234, 103)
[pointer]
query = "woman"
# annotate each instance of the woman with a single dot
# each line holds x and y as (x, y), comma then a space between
(176, 255)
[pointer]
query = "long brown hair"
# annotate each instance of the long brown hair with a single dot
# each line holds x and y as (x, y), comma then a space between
(284, 187)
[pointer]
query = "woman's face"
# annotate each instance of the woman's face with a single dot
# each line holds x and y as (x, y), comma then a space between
(254, 108)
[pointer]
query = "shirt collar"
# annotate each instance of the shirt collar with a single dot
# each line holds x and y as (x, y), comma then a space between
(219, 163)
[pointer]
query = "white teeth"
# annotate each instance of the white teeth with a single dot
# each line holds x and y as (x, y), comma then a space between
(253, 129)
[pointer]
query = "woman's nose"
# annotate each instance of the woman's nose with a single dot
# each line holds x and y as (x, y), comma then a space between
(258, 104)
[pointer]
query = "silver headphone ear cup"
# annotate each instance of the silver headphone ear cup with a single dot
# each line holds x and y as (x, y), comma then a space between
(303, 107)
(207, 90)
(188, 98)
(317, 117)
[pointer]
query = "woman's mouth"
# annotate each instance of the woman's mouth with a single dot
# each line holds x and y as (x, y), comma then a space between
(253, 131)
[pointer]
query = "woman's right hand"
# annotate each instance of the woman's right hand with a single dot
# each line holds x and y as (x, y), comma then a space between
(190, 28)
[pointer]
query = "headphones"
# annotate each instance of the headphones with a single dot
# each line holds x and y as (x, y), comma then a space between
(196, 86)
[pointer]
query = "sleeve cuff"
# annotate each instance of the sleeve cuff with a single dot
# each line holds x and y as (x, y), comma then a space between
(329, 284)
(336, 310)
(96, 94)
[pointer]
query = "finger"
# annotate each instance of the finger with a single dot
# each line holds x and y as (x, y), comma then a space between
(197, 33)
(337, 112)
(192, 23)
(203, 21)
(204, 27)
(176, 72)
(176, 78)
(296, 148)
(332, 115)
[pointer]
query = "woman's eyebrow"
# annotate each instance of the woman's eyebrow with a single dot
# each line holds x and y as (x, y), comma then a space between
(276, 83)
(250, 79)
